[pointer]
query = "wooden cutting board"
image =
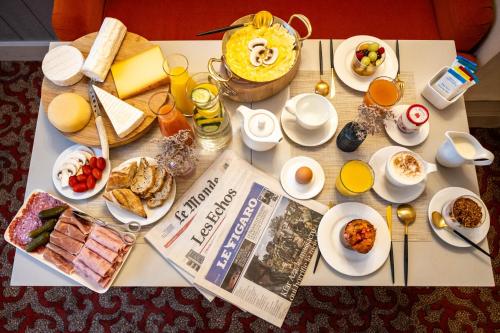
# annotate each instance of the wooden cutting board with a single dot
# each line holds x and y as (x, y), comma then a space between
(131, 45)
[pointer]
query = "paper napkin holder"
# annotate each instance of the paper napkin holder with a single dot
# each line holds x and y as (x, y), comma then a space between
(434, 97)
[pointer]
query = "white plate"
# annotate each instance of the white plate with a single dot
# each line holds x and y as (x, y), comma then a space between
(68, 191)
(339, 257)
(309, 138)
(436, 204)
(405, 139)
(383, 187)
(74, 276)
(300, 191)
(345, 53)
(154, 214)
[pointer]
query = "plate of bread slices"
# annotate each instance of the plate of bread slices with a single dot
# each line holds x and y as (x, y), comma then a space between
(139, 190)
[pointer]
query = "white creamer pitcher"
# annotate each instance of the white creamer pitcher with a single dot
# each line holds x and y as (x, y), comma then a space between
(460, 148)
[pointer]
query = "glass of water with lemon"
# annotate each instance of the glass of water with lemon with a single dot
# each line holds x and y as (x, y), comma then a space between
(211, 122)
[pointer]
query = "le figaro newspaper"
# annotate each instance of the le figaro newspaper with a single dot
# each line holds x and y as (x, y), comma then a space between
(246, 242)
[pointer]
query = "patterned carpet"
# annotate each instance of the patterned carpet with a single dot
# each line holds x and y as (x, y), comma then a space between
(353, 309)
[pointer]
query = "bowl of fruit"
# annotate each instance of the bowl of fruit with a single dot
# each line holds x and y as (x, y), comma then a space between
(368, 57)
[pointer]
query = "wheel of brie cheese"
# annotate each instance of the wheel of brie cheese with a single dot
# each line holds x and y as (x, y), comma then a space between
(62, 65)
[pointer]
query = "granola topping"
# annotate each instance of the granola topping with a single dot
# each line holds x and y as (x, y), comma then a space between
(467, 212)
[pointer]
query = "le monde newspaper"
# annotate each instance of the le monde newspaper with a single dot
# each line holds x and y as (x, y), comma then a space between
(236, 235)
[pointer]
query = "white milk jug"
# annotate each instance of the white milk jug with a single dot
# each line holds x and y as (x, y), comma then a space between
(459, 148)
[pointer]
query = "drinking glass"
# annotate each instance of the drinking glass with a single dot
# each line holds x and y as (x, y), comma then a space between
(176, 66)
(383, 92)
(211, 122)
(355, 177)
(170, 120)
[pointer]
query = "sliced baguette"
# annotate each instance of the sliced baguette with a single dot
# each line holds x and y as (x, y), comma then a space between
(121, 178)
(160, 196)
(144, 178)
(160, 176)
(126, 199)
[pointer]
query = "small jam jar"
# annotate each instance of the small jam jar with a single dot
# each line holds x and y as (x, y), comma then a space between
(415, 116)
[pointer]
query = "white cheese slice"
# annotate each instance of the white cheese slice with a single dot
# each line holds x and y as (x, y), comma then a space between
(104, 49)
(62, 65)
(124, 117)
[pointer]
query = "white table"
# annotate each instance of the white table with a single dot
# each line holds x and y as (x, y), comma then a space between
(433, 263)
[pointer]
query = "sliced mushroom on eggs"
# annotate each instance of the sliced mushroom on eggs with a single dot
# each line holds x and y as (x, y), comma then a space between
(258, 55)
(257, 42)
(272, 56)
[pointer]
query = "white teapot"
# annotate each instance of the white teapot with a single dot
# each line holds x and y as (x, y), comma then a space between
(460, 148)
(260, 130)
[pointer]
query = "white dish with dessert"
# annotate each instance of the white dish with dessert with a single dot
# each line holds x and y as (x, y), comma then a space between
(306, 137)
(395, 187)
(302, 177)
(70, 163)
(354, 239)
(405, 139)
(343, 62)
(138, 190)
(441, 202)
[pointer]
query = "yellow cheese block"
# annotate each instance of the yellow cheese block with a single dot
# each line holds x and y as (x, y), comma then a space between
(139, 73)
(69, 112)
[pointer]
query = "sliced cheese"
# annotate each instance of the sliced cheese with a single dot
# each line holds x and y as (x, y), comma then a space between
(104, 49)
(69, 112)
(62, 65)
(124, 117)
(139, 73)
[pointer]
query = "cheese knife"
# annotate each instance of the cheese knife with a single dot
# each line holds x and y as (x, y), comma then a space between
(388, 215)
(332, 84)
(101, 130)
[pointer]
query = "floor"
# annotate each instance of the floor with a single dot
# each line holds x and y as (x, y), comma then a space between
(344, 309)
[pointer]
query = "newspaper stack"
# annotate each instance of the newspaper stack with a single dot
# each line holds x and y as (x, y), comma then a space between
(235, 235)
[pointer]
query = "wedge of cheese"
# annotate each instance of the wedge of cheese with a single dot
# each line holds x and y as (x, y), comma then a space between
(139, 73)
(124, 117)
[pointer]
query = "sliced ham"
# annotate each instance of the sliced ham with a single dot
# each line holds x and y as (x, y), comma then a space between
(58, 260)
(65, 242)
(68, 217)
(101, 250)
(107, 238)
(88, 274)
(95, 262)
(63, 253)
(70, 230)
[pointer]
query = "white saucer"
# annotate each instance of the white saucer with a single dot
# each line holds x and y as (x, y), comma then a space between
(436, 204)
(383, 187)
(345, 53)
(154, 214)
(68, 191)
(299, 191)
(405, 139)
(339, 257)
(309, 138)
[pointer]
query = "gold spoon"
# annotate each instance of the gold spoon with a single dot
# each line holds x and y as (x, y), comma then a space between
(321, 88)
(440, 223)
(407, 215)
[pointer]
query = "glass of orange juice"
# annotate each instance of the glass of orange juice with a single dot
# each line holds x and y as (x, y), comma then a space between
(383, 92)
(355, 177)
(176, 66)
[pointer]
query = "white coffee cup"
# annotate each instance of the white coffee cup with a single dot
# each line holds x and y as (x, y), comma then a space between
(408, 175)
(312, 111)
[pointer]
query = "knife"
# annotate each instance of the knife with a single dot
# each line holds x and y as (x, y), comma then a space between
(318, 256)
(332, 83)
(101, 130)
(388, 215)
(397, 56)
